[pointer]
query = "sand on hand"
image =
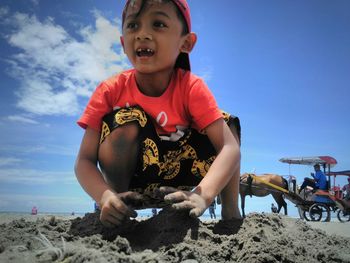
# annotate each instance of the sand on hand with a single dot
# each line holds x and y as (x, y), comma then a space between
(170, 236)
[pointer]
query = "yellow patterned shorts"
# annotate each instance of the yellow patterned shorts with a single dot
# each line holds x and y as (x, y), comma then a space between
(181, 164)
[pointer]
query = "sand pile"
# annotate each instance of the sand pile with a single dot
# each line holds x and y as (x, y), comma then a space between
(170, 237)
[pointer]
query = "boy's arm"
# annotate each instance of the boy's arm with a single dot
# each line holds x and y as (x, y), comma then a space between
(113, 209)
(88, 175)
(219, 174)
(227, 160)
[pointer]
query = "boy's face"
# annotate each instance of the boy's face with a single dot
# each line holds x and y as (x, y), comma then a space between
(153, 39)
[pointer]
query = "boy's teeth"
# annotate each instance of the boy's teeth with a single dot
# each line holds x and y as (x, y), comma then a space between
(144, 52)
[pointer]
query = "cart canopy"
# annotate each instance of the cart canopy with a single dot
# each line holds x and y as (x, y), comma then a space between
(322, 160)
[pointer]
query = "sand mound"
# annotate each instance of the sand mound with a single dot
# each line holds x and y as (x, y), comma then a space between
(171, 237)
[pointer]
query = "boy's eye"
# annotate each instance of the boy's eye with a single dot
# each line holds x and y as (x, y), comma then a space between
(159, 24)
(131, 25)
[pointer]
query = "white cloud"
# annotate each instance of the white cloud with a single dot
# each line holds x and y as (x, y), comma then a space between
(64, 150)
(35, 177)
(206, 70)
(3, 11)
(54, 68)
(9, 161)
(54, 149)
(21, 119)
(35, 2)
(206, 73)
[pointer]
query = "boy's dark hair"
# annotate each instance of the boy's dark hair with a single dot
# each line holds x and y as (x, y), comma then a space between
(185, 29)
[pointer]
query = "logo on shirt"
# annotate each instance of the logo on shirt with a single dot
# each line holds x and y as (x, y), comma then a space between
(162, 119)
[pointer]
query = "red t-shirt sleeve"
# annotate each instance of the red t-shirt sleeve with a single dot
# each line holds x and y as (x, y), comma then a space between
(99, 105)
(202, 105)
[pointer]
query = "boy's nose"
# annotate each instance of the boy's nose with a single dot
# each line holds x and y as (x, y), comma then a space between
(143, 36)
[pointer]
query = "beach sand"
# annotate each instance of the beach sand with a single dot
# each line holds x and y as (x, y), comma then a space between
(336, 228)
(172, 236)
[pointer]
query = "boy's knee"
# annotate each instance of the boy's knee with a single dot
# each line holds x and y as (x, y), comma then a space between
(118, 154)
(236, 132)
(120, 142)
(235, 127)
(122, 137)
(128, 133)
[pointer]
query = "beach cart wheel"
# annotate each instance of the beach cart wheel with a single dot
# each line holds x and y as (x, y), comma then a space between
(343, 216)
(320, 211)
(303, 214)
(306, 215)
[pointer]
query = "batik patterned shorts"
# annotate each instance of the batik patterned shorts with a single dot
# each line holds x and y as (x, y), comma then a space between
(181, 164)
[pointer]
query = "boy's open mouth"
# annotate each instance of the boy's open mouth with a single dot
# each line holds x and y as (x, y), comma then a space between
(144, 52)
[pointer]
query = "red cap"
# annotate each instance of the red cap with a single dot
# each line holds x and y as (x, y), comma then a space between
(183, 60)
(185, 11)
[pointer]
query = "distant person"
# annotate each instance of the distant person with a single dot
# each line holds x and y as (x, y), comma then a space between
(96, 207)
(319, 180)
(346, 188)
(34, 210)
(212, 210)
(292, 183)
(154, 211)
(273, 208)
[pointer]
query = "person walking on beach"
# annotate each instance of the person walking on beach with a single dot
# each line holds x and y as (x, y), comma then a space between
(212, 210)
(319, 180)
(34, 210)
(96, 207)
(156, 128)
(273, 208)
(346, 188)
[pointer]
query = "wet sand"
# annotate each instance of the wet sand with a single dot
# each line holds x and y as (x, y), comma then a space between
(336, 228)
(172, 236)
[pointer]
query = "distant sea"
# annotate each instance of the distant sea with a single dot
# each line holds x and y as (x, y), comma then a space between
(6, 216)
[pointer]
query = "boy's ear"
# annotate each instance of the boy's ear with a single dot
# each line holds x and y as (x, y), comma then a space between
(122, 42)
(189, 42)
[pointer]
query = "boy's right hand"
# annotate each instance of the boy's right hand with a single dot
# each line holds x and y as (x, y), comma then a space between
(114, 208)
(185, 200)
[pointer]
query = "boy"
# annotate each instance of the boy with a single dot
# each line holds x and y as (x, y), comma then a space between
(162, 133)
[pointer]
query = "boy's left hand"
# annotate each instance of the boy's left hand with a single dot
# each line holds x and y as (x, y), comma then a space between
(185, 200)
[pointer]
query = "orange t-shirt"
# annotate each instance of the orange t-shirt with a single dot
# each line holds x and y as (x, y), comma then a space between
(187, 102)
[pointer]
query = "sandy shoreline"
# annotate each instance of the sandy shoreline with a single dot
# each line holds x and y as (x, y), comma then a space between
(336, 227)
(172, 237)
(8, 217)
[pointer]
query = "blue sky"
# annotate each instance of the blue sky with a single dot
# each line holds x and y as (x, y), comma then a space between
(283, 67)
